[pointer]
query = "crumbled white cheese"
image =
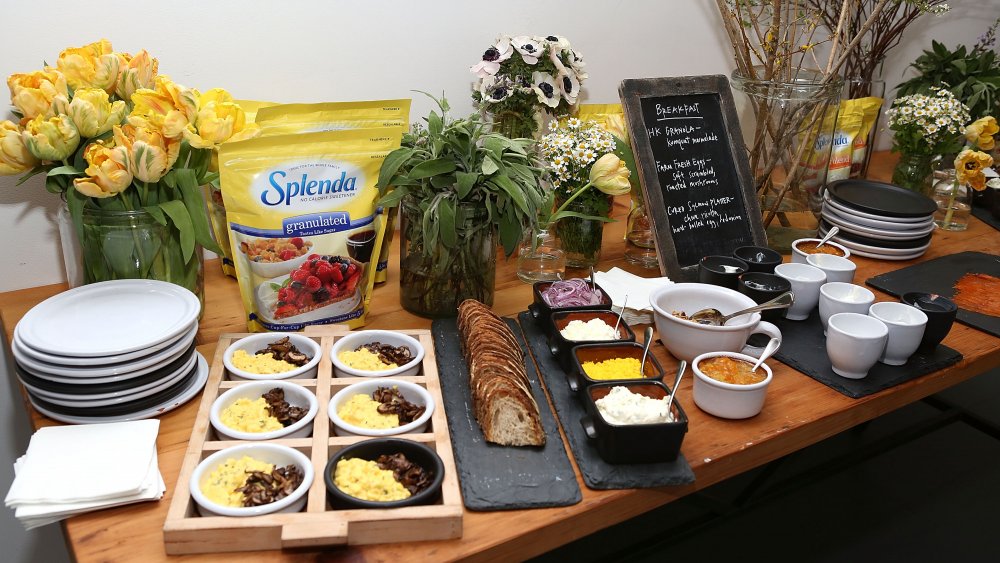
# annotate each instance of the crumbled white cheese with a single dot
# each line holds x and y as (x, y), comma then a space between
(594, 329)
(622, 406)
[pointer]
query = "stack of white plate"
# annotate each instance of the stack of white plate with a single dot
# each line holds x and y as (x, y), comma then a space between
(111, 351)
(878, 220)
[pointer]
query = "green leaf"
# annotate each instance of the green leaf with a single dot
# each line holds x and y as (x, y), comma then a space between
(465, 181)
(157, 213)
(191, 195)
(179, 216)
(65, 171)
(391, 164)
(495, 145)
(170, 178)
(434, 124)
(489, 166)
(446, 221)
(514, 191)
(75, 202)
(510, 232)
(393, 198)
(430, 168)
(30, 173)
(55, 184)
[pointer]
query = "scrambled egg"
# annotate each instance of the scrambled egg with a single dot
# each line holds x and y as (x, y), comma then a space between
(363, 359)
(362, 411)
(260, 363)
(249, 415)
(220, 487)
(365, 480)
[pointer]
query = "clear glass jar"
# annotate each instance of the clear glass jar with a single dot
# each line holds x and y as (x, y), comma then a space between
(914, 172)
(582, 238)
(954, 203)
(540, 256)
(640, 242)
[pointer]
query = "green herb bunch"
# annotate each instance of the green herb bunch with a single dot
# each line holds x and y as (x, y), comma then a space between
(972, 75)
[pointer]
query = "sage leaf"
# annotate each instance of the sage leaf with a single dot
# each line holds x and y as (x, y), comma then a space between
(464, 183)
(430, 168)
(446, 220)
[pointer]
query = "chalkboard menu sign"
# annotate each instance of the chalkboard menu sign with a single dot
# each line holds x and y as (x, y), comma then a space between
(693, 169)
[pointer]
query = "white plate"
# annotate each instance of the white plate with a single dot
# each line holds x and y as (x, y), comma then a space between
(879, 234)
(184, 396)
(843, 209)
(888, 256)
(106, 399)
(882, 252)
(107, 365)
(109, 318)
(876, 223)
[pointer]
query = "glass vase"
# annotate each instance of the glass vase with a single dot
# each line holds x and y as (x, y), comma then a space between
(640, 243)
(581, 238)
(435, 279)
(954, 203)
(914, 172)
(790, 148)
(516, 125)
(117, 245)
(540, 256)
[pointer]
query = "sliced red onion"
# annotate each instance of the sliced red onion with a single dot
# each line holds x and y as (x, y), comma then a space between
(572, 293)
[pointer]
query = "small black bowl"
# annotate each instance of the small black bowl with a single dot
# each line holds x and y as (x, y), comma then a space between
(578, 378)
(762, 287)
(562, 348)
(721, 270)
(758, 258)
(941, 313)
(416, 452)
(541, 311)
(634, 443)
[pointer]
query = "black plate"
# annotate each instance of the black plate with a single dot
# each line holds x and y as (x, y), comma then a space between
(877, 243)
(83, 390)
(881, 199)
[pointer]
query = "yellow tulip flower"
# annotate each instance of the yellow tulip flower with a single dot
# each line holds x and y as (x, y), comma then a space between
(135, 73)
(14, 156)
(90, 66)
(969, 168)
(610, 175)
(54, 138)
(169, 107)
(981, 131)
(33, 93)
(93, 113)
(151, 154)
(219, 122)
(108, 171)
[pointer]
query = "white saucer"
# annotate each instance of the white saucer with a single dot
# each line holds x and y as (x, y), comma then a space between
(188, 393)
(879, 234)
(844, 210)
(875, 223)
(120, 362)
(109, 318)
(884, 253)
(888, 256)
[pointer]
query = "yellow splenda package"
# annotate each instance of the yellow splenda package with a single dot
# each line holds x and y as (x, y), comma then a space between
(303, 224)
(870, 107)
(600, 113)
(287, 119)
(848, 126)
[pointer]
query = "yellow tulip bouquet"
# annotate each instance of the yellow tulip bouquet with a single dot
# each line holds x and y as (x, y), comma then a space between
(122, 145)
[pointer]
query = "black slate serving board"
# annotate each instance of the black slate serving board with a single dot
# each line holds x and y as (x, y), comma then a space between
(986, 216)
(496, 477)
(939, 276)
(803, 347)
(597, 473)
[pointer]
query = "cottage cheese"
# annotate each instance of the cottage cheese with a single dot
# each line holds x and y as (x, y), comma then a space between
(594, 329)
(622, 406)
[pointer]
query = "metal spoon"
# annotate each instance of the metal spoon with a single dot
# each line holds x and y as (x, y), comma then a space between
(715, 317)
(771, 348)
(648, 336)
(677, 380)
(829, 235)
(620, 313)
(593, 284)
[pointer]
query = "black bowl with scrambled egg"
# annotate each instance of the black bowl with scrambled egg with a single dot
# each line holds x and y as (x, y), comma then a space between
(367, 481)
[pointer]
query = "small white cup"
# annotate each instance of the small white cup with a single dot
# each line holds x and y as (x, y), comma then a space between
(906, 328)
(837, 269)
(840, 297)
(854, 343)
(799, 257)
(806, 281)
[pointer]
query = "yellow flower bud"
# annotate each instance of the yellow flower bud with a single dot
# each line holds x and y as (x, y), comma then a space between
(170, 108)
(219, 120)
(14, 156)
(91, 66)
(93, 113)
(610, 175)
(33, 93)
(135, 73)
(981, 131)
(108, 171)
(151, 154)
(54, 138)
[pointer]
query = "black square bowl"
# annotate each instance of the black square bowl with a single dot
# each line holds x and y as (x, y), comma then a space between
(633, 443)
(579, 380)
(562, 348)
(541, 311)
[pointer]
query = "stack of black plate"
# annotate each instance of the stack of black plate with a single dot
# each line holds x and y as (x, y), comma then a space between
(111, 351)
(878, 220)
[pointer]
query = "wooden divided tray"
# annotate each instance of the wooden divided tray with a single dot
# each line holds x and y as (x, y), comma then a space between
(318, 524)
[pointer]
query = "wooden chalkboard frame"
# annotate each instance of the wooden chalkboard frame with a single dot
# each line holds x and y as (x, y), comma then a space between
(632, 92)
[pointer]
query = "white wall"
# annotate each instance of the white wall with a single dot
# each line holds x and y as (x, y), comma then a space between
(325, 50)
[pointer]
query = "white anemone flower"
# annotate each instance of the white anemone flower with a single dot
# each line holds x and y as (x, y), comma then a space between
(576, 63)
(492, 57)
(546, 88)
(559, 40)
(569, 86)
(529, 48)
(495, 90)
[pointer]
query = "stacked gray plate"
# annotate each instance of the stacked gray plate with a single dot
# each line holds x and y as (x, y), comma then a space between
(111, 351)
(878, 220)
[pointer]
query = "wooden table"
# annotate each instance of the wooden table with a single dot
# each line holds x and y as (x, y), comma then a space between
(799, 412)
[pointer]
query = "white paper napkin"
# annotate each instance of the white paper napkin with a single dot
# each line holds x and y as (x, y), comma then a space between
(619, 284)
(85, 463)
